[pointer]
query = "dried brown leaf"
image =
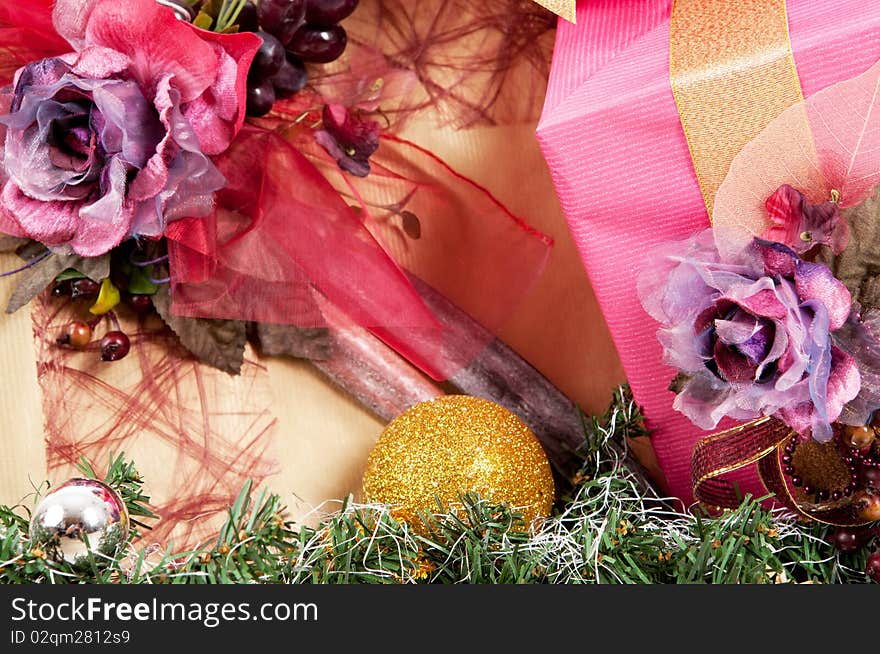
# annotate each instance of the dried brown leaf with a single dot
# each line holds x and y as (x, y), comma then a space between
(287, 340)
(828, 143)
(11, 243)
(859, 265)
(34, 280)
(218, 343)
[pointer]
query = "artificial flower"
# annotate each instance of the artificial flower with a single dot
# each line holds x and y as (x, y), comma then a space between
(348, 139)
(113, 140)
(752, 335)
(802, 226)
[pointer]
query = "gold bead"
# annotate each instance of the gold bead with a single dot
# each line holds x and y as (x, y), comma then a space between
(867, 505)
(458, 444)
(858, 437)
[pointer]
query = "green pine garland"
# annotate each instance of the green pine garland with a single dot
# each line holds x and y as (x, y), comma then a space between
(609, 531)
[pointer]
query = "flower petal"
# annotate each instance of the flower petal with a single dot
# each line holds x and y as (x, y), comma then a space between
(52, 223)
(179, 180)
(669, 287)
(104, 224)
(816, 282)
(844, 382)
(149, 34)
(777, 258)
(801, 225)
(737, 330)
(764, 303)
(218, 114)
(799, 417)
(733, 366)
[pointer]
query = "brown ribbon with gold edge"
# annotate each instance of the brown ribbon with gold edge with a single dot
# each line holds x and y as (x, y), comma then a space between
(732, 72)
(730, 450)
(759, 441)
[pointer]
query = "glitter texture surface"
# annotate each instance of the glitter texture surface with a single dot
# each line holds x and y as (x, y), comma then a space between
(564, 8)
(456, 444)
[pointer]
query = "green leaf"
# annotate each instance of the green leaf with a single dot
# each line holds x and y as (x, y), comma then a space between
(218, 343)
(139, 281)
(70, 273)
(203, 21)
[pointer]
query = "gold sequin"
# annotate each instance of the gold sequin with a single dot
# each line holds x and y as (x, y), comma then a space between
(453, 445)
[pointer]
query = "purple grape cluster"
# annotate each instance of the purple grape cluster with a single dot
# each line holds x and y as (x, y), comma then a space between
(294, 32)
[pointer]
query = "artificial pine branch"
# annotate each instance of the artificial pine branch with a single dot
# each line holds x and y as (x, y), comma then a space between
(611, 530)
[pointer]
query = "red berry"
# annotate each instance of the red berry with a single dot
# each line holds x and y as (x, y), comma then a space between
(114, 346)
(61, 288)
(248, 19)
(281, 17)
(847, 540)
(290, 79)
(84, 288)
(858, 437)
(873, 567)
(260, 98)
(269, 57)
(320, 45)
(140, 303)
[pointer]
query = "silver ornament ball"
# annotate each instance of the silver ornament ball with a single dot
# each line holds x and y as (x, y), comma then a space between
(79, 517)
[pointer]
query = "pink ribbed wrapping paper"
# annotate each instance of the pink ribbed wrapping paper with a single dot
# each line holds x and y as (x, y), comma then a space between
(612, 137)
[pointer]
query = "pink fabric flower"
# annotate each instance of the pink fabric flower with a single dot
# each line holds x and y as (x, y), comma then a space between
(802, 226)
(754, 335)
(113, 139)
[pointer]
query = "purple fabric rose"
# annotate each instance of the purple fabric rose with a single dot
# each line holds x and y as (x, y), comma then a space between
(84, 146)
(753, 336)
(112, 140)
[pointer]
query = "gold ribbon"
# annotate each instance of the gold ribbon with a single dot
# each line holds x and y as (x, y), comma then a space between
(732, 72)
(564, 8)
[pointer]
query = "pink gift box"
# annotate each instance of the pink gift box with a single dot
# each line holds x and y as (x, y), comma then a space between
(612, 136)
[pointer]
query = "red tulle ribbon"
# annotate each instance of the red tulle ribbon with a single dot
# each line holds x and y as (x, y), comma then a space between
(280, 232)
(290, 224)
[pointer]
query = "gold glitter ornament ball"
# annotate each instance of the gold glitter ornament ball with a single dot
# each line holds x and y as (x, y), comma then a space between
(457, 444)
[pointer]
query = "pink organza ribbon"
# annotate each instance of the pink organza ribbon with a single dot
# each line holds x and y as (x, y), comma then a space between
(613, 139)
